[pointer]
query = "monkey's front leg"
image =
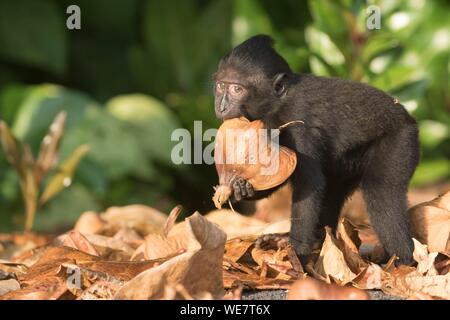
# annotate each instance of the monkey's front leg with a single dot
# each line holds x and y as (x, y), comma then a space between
(308, 194)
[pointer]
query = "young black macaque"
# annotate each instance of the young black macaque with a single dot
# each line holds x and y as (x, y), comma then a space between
(353, 136)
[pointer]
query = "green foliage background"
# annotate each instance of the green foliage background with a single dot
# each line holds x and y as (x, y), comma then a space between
(140, 68)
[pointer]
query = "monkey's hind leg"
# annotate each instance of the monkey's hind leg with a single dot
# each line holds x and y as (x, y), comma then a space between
(385, 185)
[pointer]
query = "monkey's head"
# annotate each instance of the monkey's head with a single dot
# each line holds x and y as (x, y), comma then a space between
(251, 80)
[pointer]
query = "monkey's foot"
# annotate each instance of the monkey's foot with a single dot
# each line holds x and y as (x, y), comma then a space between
(272, 241)
(242, 189)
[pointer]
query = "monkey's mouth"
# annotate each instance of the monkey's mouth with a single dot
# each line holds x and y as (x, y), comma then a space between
(229, 113)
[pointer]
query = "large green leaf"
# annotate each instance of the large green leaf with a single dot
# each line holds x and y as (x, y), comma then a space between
(151, 122)
(11, 96)
(114, 150)
(431, 170)
(41, 105)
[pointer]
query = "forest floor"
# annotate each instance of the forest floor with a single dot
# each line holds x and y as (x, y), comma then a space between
(138, 252)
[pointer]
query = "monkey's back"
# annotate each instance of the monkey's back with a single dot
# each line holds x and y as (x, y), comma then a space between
(350, 113)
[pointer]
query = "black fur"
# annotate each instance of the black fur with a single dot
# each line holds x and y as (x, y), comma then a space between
(353, 136)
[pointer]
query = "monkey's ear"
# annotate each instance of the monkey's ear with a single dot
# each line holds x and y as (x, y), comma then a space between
(279, 84)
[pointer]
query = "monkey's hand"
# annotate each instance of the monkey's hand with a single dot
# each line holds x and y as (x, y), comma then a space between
(242, 189)
(272, 241)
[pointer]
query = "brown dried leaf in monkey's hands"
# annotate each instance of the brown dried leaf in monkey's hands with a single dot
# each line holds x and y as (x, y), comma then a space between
(245, 162)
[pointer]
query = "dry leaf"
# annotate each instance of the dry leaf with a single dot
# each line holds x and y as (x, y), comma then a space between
(198, 270)
(237, 225)
(424, 259)
(408, 282)
(170, 222)
(89, 223)
(129, 236)
(414, 283)
(372, 277)
(430, 223)
(49, 277)
(347, 236)
(100, 290)
(102, 243)
(76, 240)
(141, 218)
(237, 247)
(50, 289)
(157, 246)
(331, 261)
(231, 265)
(278, 261)
(10, 269)
(8, 286)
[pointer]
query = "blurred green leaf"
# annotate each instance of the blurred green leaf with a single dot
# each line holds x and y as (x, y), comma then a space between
(250, 19)
(320, 43)
(334, 24)
(431, 170)
(149, 118)
(395, 77)
(432, 133)
(33, 33)
(379, 44)
(114, 150)
(11, 96)
(41, 105)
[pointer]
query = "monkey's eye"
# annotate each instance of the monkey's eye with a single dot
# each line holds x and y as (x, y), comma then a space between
(220, 86)
(236, 89)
